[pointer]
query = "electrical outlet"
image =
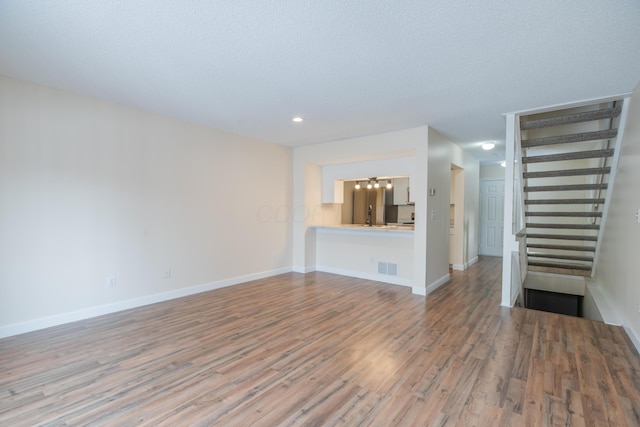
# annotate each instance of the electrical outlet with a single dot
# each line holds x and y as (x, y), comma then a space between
(111, 282)
(167, 273)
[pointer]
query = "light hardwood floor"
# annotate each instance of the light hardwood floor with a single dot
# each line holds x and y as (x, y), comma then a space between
(321, 349)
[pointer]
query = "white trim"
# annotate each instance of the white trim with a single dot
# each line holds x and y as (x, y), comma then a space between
(633, 337)
(582, 103)
(481, 251)
(385, 278)
(303, 270)
(419, 291)
(462, 267)
(87, 313)
(609, 315)
(473, 261)
(509, 242)
(435, 285)
(359, 230)
(603, 304)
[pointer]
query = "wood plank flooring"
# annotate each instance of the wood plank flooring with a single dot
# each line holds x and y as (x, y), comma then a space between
(321, 349)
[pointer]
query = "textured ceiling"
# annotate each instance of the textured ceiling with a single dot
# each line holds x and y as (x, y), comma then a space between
(350, 68)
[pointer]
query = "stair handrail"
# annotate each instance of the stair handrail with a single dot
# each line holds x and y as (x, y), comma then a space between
(603, 163)
(612, 177)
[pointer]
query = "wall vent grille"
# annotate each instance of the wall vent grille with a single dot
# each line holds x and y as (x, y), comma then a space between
(388, 268)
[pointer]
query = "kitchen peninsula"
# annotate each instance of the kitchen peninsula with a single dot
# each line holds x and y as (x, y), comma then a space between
(383, 253)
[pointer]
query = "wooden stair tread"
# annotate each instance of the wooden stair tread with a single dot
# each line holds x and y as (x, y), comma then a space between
(564, 201)
(587, 116)
(568, 172)
(567, 257)
(562, 247)
(571, 138)
(566, 214)
(563, 266)
(565, 226)
(562, 237)
(590, 154)
(568, 187)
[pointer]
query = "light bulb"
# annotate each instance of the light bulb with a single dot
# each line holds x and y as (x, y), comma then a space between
(377, 184)
(389, 185)
(357, 185)
(369, 185)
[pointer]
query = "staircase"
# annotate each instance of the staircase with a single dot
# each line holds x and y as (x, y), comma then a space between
(568, 161)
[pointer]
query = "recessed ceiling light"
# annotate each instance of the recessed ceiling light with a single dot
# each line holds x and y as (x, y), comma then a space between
(488, 146)
(297, 119)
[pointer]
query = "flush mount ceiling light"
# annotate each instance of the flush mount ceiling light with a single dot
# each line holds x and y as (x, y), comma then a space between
(488, 146)
(297, 119)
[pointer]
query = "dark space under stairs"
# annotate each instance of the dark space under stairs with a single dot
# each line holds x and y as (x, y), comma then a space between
(567, 159)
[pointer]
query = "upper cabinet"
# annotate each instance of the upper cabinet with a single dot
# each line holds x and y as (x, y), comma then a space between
(401, 192)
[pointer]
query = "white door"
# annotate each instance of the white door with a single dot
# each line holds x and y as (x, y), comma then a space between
(491, 216)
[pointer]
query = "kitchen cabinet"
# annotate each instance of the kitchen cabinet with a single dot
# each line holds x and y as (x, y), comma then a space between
(401, 192)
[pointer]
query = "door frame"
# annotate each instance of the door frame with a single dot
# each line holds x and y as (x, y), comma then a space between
(481, 225)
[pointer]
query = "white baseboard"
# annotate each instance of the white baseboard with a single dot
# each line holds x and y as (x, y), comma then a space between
(603, 303)
(86, 313)
(303, 270)
(514, 298)
(385, 278)
(435, 285)
(460, 267)
(633, 337)
(608, 314)
(419, 291)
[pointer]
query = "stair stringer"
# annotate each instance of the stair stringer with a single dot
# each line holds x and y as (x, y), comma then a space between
(611, 182)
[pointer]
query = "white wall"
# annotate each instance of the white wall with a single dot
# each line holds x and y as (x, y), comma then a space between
(456, 232)
(491, 171)
(471, 209)
(618, 268)
(443, 153)
(365, 249)
(90, 189)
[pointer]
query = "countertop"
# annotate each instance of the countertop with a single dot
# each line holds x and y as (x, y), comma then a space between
(390, 228)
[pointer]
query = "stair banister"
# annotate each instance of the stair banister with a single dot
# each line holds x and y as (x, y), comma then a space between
(612, 177)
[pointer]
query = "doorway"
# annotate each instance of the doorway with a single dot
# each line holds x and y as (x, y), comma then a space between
(456, 219)
(491, 216)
